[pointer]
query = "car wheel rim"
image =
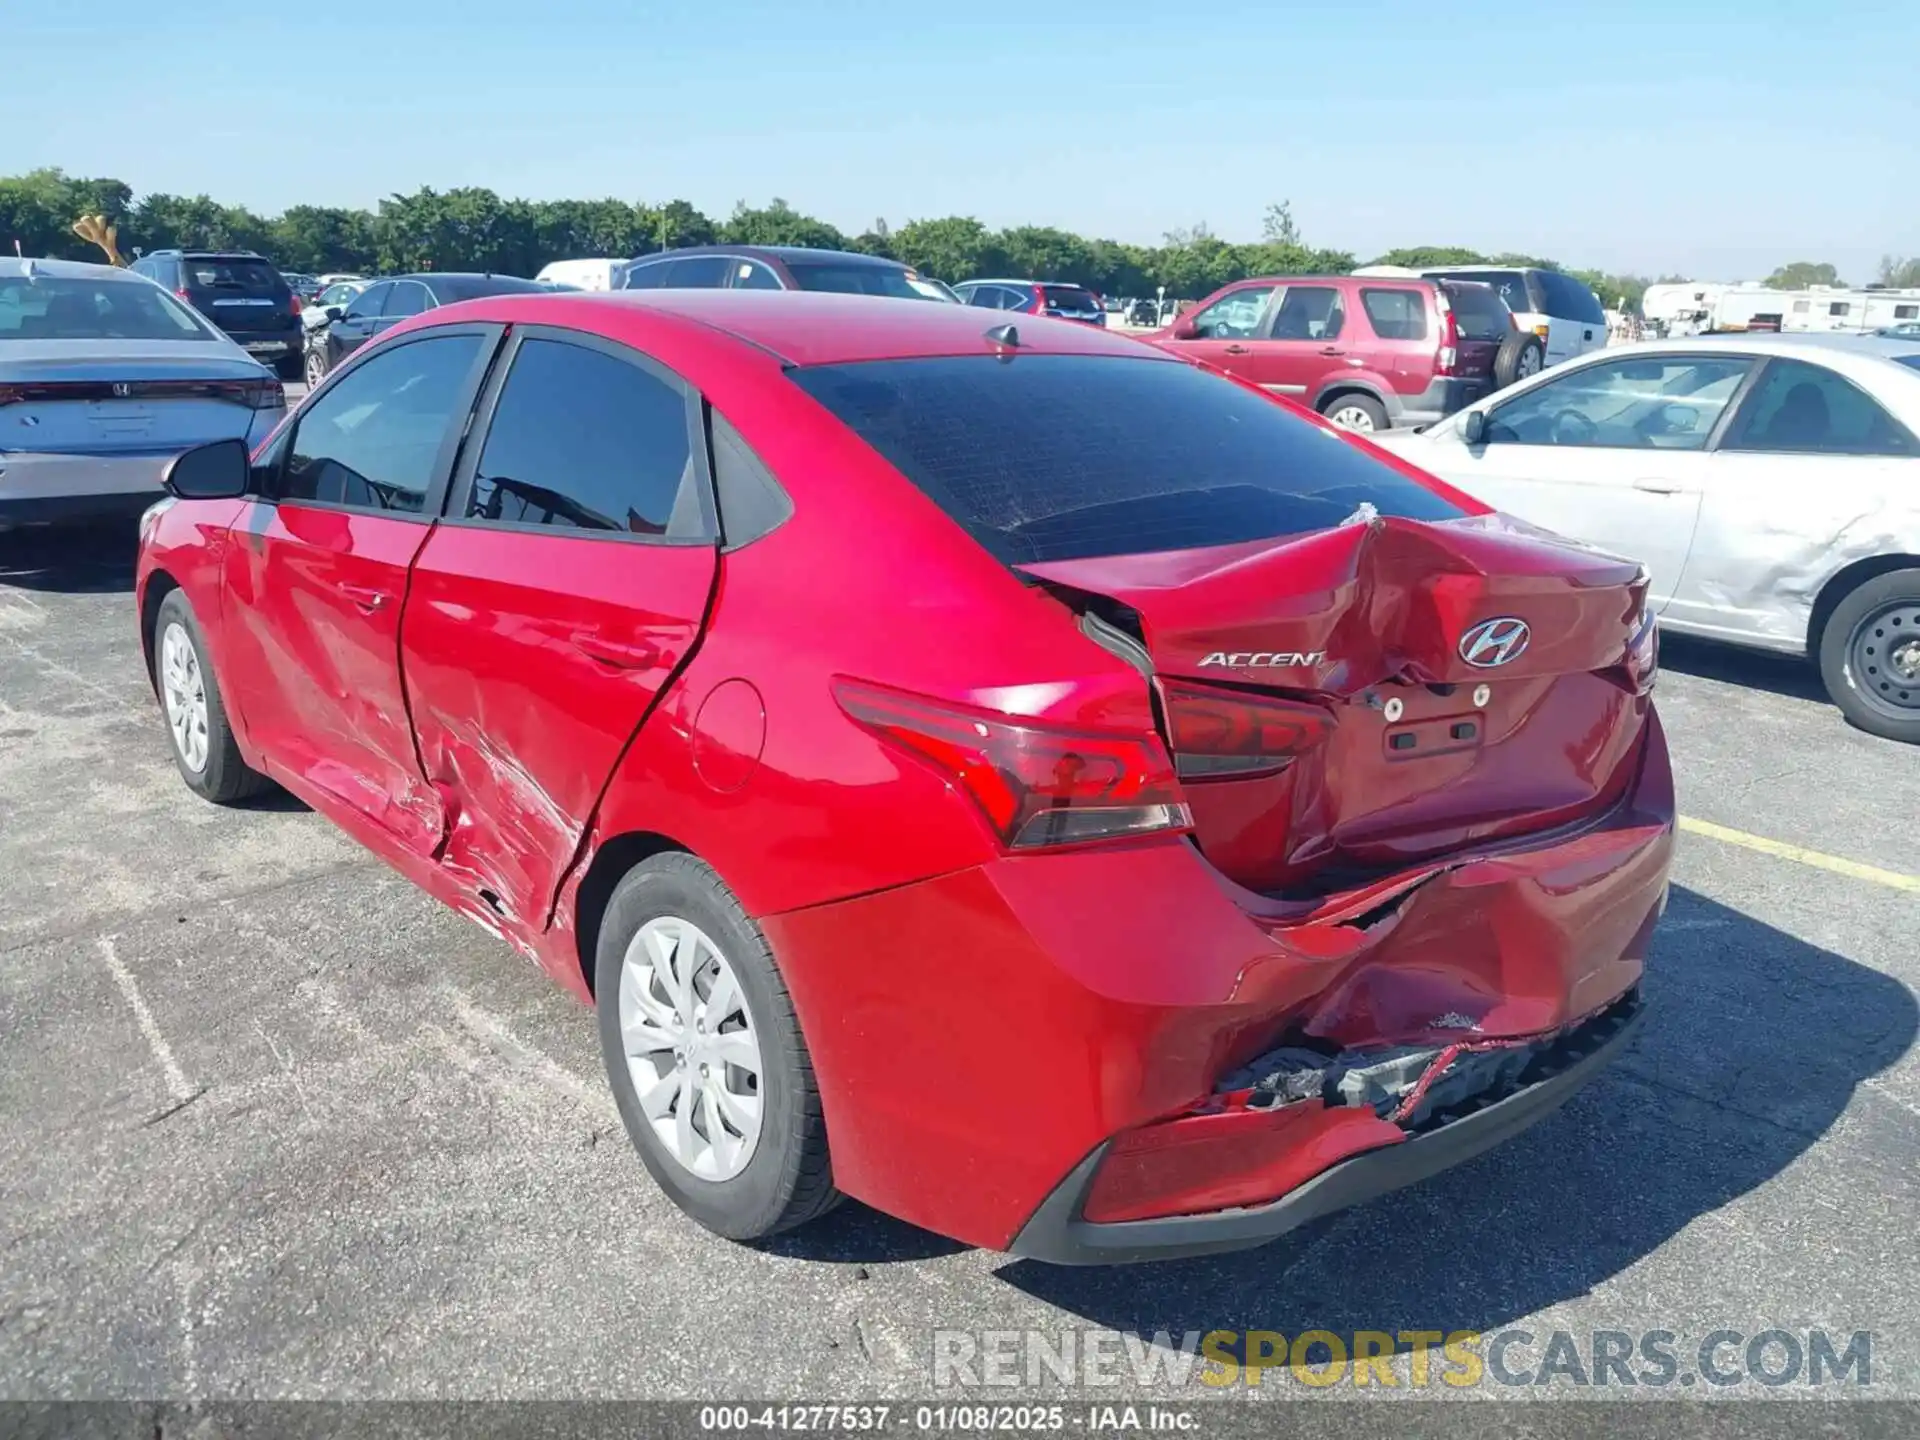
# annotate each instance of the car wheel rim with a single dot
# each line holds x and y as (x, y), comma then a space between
(1529, 364)
(1883, 658)
(1352, 417)
(692, 1051)
(185, 691)
(314, 372)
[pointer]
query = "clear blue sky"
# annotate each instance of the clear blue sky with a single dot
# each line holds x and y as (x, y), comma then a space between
(1714, 137)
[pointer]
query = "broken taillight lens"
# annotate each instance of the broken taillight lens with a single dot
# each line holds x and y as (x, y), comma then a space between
(1036, 784)
(1224, 734)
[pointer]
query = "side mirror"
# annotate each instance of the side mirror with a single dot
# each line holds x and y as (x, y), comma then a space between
(1473, 429)
(218, 471)
(1185, 329)
(334, 312)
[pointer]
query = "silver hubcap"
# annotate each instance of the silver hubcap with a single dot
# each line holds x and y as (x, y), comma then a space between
(691, 1049)
(1529, 364)
(314, 374)
(185, 689)
(1352, 417)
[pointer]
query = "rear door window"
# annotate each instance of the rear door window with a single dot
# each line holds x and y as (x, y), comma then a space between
(1308, 312)
(1396, 314)
(581, 439)
(1059, 457)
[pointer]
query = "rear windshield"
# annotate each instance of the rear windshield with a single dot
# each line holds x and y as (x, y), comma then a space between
(1059, 457)
(451, 289)
(1071, 299)
(1509, 285)
(844, 279)
(1478, 312)
(45, 308)
(232, 276)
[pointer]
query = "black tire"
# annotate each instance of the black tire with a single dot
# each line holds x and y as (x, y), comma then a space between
(222, 776)
(1521, 354)
(291, 367)
(1870, 632)
(788, 1180)
(1346, 412)
(313, 364)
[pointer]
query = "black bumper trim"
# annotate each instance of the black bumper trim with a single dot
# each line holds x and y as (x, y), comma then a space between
(1058, 1234)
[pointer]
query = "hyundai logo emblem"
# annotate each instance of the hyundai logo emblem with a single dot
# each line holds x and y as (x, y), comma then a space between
(1495, 642)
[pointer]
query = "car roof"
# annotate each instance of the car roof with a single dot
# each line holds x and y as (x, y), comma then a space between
(1009, 280)
(67, 269)
(784, 253)
(800, 327)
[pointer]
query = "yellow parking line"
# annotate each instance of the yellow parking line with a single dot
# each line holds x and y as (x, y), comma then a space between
(1853, 869)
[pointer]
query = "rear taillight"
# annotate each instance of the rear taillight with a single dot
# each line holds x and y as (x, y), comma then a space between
(1224, 734)
(295, 299)
(265, 394)
(1448, 360)
(1036, 784)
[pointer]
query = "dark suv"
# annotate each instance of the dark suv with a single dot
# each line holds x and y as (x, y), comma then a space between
(240, 292)
(1035, 297)
(780, 267)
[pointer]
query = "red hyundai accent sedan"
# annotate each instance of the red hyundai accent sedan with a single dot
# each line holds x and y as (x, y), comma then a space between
(1053, 793)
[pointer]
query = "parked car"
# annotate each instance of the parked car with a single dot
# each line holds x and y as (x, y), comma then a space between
(1771, 485)
(1905, 330)
(584, 274)
(1035, 297)
(1144, 312)
(779, 267)
(1047, 791)
(386, 302)
(305, 286)
(1566, 315)
(241, 293)
(103, 377)
(336, 296)
(1368, 354)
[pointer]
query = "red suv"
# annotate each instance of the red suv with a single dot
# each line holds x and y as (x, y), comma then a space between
(1368, 353)
(1048, 791)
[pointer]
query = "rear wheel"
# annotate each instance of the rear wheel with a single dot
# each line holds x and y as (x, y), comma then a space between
(1870, 656)
(1520, 355)
(204, 748)
(705, 1055)
(1356, 412)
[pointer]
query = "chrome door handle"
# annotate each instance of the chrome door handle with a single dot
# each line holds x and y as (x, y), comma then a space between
(1657, 487)
(367, 598)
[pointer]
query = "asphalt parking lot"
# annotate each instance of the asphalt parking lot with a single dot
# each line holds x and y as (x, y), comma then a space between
(275, 1124)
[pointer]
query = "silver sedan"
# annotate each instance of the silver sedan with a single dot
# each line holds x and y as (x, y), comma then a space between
(1770, 485)
(104, 376)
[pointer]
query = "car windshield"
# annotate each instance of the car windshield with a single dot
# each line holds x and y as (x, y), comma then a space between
(846, 278)
(1060, 457)
(45, 307)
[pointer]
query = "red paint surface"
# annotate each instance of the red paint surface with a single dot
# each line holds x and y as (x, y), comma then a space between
(979, 1020)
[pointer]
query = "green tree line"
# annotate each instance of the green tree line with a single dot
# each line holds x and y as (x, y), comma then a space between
(475, 229)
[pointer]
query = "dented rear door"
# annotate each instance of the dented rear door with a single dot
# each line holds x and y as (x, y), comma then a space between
(552, 606)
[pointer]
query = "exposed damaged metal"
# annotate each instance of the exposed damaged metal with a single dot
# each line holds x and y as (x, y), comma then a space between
(1418, 1086)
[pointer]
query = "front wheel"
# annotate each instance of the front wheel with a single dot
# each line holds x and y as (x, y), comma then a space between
(315, 366)
(1870, 656)
(705, 1055)
(204, 747)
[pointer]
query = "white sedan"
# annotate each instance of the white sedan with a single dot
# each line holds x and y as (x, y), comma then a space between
(1770, 485)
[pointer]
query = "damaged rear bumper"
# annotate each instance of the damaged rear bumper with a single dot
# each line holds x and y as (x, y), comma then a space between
(1061, 1234)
